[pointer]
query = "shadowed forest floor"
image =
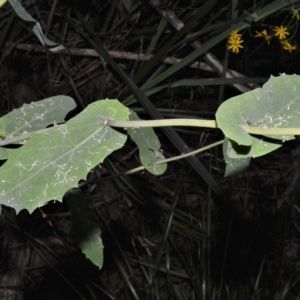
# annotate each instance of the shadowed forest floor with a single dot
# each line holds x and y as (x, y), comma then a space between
(167, 236)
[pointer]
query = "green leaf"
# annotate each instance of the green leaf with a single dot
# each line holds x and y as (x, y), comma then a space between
(234, 165)
(36, 115)
(53, 161)
(263, 145)
(149, 146)
(3, 154)
(85, 226)
(260, 146)
(276, 105)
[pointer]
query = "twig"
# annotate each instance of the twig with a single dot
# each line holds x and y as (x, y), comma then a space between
(113, 54)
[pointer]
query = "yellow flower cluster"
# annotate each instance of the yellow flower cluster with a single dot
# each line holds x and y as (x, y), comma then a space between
(234, 40)
(281, 33)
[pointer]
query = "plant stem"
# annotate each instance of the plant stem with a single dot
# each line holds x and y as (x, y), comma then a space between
(162, 123)
(177, 157)
(199, 123)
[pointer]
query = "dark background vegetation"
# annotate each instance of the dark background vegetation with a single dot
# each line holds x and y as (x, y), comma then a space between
(170, 236)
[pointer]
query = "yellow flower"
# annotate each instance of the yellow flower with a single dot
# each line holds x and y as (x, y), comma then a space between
(235, 35)
(281, 31)
(264, 35)
(235, 44)
(295, 13)
(287, 46)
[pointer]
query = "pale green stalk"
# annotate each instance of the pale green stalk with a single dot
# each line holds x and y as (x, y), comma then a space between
(162, 123)
(178, 157)
(200, 123)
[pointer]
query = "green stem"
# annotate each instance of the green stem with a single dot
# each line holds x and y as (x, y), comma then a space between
(200, 123)
(163, 161)
(162, 123)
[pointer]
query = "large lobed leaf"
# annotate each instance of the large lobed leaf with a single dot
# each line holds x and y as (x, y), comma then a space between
(276, 105)
(54, 161)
